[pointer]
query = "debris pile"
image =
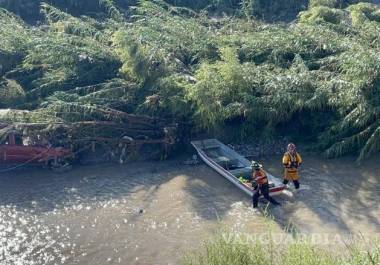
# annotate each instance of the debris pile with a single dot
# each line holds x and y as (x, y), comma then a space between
(105, 140)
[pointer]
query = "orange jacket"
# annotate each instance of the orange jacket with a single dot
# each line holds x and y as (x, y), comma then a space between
(260, 177)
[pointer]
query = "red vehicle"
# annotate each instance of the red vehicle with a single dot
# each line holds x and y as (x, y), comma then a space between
(15, 149)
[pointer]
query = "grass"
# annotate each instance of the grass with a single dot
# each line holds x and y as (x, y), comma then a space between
(274, 246)
(229, 249)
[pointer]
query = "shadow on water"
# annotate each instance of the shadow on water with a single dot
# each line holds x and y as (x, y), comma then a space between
(339, 193)
(339, 196)
(43, 190)
(100, 207)
(212, 196)
(151, 208)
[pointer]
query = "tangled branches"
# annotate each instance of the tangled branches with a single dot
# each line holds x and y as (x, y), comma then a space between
(316, 78)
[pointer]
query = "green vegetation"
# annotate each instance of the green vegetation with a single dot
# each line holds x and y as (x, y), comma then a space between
(233, 250)
(219, 64)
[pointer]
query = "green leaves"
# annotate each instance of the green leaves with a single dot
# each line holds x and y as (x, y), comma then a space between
(11, 42)
(318, 76)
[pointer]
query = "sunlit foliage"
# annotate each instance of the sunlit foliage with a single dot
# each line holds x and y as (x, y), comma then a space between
(317, 78)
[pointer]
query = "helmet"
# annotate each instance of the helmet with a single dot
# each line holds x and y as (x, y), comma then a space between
(256, 165)
(291, 147)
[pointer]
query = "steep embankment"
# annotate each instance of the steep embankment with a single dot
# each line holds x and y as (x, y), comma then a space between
(315, 79)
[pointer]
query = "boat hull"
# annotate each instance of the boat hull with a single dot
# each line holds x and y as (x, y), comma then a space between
(275, 190)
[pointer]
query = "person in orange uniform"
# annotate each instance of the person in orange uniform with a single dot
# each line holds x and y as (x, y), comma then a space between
(259, 177)
(291, 161)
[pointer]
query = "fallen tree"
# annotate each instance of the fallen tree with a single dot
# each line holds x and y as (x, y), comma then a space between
(116, 140)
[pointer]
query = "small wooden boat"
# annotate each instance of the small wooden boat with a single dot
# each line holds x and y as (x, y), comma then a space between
(232, 166)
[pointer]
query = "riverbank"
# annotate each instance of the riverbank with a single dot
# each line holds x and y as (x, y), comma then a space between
(140, 212)
(237, 75)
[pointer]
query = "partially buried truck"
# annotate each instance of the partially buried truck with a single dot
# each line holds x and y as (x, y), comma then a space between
(17, 149)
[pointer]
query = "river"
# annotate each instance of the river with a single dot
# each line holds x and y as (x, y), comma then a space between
(154, 213)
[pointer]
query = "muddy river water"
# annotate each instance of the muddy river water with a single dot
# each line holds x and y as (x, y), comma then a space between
(154, 213)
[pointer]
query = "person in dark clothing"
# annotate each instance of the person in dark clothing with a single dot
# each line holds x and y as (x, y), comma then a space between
(259, 177)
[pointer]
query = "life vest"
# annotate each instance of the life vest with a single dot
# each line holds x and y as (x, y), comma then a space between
(260, 177)
(291, 162)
